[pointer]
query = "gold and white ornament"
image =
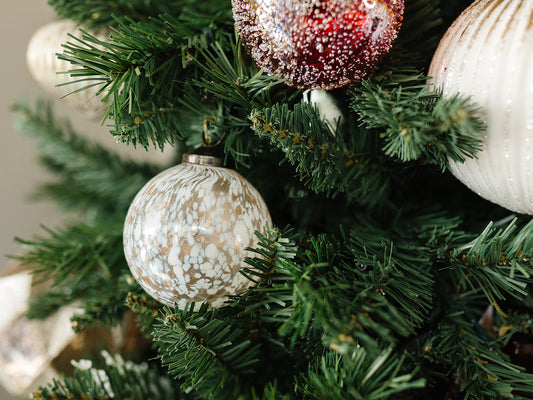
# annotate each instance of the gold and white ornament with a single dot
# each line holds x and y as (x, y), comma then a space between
(487, 54)
(33, 352)
(49, 71)
(187, 229)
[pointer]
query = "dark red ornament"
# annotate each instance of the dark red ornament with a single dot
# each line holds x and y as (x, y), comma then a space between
(318, 44)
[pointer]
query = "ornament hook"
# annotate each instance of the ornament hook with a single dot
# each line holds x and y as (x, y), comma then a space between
(207, 140)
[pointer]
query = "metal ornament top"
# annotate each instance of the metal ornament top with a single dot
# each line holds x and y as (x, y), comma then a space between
(201, 159)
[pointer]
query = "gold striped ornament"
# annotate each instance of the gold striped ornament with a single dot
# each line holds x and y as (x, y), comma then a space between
(48, 70)
(487, 54)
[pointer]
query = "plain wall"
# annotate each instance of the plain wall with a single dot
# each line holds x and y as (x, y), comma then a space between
(20, 171)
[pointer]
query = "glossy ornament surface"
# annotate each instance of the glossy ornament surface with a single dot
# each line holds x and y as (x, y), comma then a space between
(187, 229)
(487, 54)
(48, 70)
(318, 44)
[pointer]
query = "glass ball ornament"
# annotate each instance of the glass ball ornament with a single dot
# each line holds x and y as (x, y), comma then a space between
(50, 72)
(487, 55)
(187, 229)
(315, 44)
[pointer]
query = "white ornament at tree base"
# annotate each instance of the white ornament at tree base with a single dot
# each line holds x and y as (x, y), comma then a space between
(49, 71)
(487, 54)
(187, 229)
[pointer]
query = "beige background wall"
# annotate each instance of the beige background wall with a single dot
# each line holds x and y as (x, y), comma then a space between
(20, 171)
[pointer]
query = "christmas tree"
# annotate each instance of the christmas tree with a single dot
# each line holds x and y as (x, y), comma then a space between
(377, 275)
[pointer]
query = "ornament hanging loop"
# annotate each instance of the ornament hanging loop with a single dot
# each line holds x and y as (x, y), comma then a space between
(207, 141)
(209, 154)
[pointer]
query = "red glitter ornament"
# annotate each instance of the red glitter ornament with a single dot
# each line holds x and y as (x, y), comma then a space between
(318, 44)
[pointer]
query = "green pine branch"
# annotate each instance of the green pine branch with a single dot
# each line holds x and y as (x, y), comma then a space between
(92, 179)
(355, 290)
(265, 307)
(232, 87)
(143, 69)
(81, 260)
(345, 292)
(414, 123)
(82, 263)
(271, 392)
(99, 13)
(359, 376)
(106, 304)
(497, 263)
(476, 362)
(116, 379)
(324, 160)
(74, 253)
(515, 321)
(266, 303)
(208, 355)
(313, 310)
(474, 271)
(144, 307)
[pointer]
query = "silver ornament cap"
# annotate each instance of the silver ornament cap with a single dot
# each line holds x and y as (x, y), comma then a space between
(201, 159)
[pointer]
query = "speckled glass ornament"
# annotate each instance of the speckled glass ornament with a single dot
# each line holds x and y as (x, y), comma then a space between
(487, 55)
(318, 44)
(187, 229)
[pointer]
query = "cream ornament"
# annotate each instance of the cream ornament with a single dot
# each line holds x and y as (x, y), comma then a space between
(327, 107)
(487, 54)
(187, 229)
(48, 70)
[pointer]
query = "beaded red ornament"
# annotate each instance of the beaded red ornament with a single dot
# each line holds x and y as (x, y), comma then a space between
(318, 44)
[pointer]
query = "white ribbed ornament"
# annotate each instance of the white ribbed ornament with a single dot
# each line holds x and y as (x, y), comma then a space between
(47, 69)
(487, 54)
(187, 229)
